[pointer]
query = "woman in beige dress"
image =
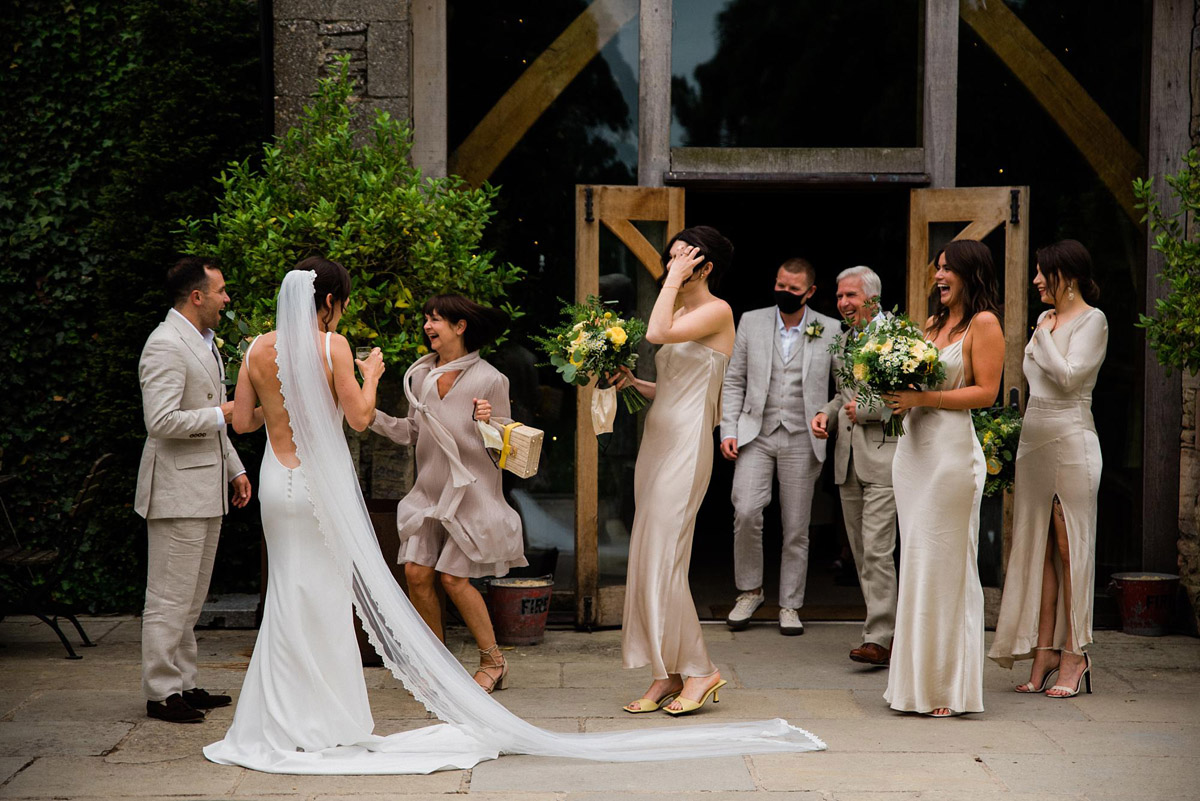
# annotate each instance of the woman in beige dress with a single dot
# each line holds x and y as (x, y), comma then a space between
(1046, 611)
(938, 475)
(454, 524)
(660, 627)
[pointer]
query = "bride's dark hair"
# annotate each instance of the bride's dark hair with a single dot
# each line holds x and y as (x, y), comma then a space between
(484, 323)
(972, 262)
(332, 280)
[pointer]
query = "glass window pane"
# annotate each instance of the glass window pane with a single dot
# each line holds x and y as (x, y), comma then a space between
(804, 73)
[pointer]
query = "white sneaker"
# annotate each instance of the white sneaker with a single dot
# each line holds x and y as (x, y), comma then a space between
(743, 610)
(789, 622)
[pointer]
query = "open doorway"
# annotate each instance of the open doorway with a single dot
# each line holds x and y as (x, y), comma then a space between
(834, 228)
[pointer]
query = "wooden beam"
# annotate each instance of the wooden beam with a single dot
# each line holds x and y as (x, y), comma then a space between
(429, 86)
(527, 99)
(632, 238)
(1168, 140)
(797, 160)
(1101, 143)
(587, 521)
(939, 108)
(654, 92)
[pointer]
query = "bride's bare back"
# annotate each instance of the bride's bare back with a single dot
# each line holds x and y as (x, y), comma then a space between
(259, 397)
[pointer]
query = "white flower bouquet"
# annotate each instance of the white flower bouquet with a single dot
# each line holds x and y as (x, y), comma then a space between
(594, 341)
(887, 355)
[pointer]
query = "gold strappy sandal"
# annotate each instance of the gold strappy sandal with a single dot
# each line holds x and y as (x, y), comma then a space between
(495, 660)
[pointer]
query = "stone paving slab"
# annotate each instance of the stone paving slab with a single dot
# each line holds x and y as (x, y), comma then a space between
(963, 735)
(1129, 739)
(86, 706)
(65, 739)
(70, 777)
(254, 785)
(1100, 778)
(10, 765)
(832, 771)
(547, 774)
(1141, 707)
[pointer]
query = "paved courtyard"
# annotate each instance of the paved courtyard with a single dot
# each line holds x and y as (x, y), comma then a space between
(78, 729)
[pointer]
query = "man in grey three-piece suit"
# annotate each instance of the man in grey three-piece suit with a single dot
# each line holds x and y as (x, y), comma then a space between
(862, 468)
(777, 379)
(187, 462)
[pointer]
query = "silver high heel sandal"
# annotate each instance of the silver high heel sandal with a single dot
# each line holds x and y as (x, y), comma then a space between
(1028, 687)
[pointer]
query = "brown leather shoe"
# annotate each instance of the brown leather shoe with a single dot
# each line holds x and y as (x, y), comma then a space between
(174, 710)
(871, 654)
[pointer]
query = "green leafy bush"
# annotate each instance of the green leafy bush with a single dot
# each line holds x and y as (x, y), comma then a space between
(330, 188)
(1173, 331)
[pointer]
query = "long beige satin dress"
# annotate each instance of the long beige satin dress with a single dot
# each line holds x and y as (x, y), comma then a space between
(1059, 455)
(660, 626)
(938, 475)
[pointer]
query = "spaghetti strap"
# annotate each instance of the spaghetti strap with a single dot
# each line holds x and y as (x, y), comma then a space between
(328, 355)
(246, 358)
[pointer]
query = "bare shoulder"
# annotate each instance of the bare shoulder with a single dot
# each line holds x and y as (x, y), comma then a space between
(987, 321)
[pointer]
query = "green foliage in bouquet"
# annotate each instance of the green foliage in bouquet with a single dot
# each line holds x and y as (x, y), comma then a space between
(593, 340)
(1173, 331)
(329, 188)
(999, 431)
(887, 355)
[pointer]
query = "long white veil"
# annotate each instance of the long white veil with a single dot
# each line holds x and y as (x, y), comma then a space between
(409, 649)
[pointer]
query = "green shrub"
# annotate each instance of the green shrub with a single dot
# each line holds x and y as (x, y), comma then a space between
(330, 188)
(1173, 331)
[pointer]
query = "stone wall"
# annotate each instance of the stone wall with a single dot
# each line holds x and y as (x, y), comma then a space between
(1189, 466)
(309, 34)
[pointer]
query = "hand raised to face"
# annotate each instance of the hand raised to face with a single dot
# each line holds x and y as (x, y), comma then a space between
(684, 260)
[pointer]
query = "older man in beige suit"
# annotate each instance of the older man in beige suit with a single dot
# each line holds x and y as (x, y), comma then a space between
(862, 467)
(187, 463)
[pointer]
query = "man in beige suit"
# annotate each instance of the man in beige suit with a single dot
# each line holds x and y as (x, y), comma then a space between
(181, 491)
(862, 468)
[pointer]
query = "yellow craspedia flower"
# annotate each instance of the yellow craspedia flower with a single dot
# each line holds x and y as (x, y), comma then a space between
(993, 467)
(608, 315)
(860, 372)
(988, 436)
(616, 335)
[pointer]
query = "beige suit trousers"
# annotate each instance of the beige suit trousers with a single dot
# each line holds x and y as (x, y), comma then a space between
(180, 556)
(870, 514)
(790, 457)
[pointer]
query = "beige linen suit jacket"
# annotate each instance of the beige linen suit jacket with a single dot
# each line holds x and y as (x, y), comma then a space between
(744, 394)
(872, 450)
(188, 460)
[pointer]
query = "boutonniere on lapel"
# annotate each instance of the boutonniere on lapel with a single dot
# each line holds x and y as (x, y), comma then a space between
(814, 330)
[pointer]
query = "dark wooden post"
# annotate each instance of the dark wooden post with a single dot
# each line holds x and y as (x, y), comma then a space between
(1167, 141)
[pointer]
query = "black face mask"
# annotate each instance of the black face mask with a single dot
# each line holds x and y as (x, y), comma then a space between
(789, 303)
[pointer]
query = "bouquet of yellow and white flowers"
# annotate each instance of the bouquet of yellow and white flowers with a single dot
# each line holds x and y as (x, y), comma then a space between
(887, 355)
(999, 432)
(593, 340)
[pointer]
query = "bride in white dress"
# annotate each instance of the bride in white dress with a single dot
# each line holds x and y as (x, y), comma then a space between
(938, 475)
(303, 706)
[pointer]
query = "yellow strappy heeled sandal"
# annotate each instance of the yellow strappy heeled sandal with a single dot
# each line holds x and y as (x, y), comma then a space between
(690, 706)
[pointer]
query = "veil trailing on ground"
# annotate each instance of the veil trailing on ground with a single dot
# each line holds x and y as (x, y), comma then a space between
(477, 726)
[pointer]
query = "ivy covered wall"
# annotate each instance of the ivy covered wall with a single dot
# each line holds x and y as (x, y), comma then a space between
(118, 115)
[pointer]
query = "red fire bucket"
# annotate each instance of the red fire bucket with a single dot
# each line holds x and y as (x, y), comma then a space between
(1145, 601)
(519, 607)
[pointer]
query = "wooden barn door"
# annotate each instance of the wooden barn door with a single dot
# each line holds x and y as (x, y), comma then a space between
(615, 208)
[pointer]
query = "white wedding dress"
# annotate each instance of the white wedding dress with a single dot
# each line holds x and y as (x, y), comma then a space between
(303, 707)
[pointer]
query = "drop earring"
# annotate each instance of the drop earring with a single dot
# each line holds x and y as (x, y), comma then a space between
(1070, 292)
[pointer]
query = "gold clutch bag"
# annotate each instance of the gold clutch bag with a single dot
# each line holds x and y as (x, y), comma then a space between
(520, 450)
